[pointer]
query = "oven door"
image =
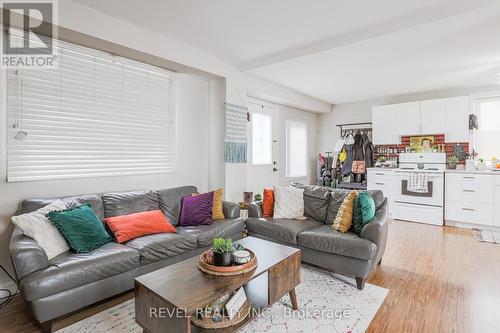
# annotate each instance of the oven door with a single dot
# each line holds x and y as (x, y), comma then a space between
(435, 185)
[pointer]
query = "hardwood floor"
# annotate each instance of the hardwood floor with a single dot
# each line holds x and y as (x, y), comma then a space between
(440, 280)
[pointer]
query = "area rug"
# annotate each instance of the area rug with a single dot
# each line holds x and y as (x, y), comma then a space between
(489, 236)
(328, 303)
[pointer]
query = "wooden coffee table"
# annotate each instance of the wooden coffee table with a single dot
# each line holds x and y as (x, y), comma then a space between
(166, 299)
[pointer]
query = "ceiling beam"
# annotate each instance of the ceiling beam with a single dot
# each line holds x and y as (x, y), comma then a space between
(421, 17)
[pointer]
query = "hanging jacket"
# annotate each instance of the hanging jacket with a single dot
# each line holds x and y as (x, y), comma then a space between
(358, 147)
(368, 151)
(347, 165)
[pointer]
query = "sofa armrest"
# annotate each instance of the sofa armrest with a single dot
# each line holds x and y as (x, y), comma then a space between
(231, 210)
(255, 209)
(27, 256)
(377, 229)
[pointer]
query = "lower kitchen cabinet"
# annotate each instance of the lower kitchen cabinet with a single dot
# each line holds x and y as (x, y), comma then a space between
(381, 179)
(472, 199)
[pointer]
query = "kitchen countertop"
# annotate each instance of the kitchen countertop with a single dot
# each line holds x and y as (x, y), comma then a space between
(480, 172)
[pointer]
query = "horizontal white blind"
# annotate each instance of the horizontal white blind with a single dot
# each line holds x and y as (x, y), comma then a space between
(296, 149)
(96, 115)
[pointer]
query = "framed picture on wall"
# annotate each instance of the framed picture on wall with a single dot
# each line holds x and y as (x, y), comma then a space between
(421, 144)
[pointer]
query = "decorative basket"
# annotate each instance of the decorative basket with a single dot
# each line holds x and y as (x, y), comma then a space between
(208, 323)
(206, 267)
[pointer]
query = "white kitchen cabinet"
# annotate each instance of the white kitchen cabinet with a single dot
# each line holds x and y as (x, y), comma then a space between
(385, 125)
(457, 119)
(381, 179)
(433, 116)
(408, 118)
(470, 198)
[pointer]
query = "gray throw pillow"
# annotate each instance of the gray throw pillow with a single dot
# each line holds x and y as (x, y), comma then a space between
(316, 201)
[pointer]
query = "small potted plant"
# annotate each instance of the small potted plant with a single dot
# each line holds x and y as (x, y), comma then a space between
(257, 197)
(452, 162)
(223, 251)
(482, 164)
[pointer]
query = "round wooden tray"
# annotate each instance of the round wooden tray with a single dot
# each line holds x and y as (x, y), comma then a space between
(226, 270)
(208, 323)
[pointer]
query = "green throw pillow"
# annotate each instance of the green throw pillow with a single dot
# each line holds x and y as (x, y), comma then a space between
(364, 211)
(81, 228)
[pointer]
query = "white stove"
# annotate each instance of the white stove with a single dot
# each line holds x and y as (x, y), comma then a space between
(418, 188)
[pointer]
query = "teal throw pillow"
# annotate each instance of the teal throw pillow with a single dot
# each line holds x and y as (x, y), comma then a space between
(81, 228)
(364, 211)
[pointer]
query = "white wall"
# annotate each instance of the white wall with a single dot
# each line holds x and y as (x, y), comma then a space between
(192, 139)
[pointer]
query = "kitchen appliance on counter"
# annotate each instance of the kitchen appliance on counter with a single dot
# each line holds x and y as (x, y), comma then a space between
(418, 188)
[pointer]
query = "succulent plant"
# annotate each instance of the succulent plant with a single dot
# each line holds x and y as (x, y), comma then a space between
(221, 245)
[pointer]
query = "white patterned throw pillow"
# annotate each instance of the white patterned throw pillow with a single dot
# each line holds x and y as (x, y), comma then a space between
(288, 203)
(37, 226)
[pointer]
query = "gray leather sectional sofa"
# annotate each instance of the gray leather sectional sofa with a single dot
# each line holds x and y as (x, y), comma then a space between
(344, 253)
(71, 281)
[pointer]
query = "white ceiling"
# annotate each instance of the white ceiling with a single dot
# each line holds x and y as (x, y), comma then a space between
(335, 50)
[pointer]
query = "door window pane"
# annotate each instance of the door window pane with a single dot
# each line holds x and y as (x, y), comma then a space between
(261, 139)
(488, 135)
(296, 149)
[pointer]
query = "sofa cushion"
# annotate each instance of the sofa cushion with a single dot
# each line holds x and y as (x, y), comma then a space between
(130, 226)
(37, 226)
(316, 201)
(364, 211)
(326, 239)
(123, 203)
(70, 270)
(81, 228)
(378, 198)
(170, 201)
(197, 210)
(288, 203)
(94, 200)
(268, 203)
(205, 234)
(283, 230)
(161, 246)
(343, 220)
(337, 196)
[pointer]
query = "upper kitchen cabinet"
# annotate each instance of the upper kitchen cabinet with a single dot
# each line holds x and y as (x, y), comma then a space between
(385, 125)
(433, 116)
(457, 119)
(408, 118)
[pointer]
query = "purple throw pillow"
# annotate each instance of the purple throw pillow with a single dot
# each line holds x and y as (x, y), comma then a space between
(197, 210)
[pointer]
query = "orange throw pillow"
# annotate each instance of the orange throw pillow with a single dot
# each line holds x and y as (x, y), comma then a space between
(268, 203)
(127, 227)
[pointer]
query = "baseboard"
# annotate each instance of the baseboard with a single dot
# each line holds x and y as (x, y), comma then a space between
(470, 226)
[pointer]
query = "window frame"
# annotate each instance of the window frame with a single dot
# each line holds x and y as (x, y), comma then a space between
(306, 152)
(253, 113)
(477, 99)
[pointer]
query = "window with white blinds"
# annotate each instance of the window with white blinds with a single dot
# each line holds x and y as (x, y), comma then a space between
(96, 115)
(296, 149)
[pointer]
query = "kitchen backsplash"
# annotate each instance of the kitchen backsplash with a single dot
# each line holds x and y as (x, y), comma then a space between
(392, 151)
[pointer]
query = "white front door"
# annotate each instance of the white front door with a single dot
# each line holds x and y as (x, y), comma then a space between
(263, 169)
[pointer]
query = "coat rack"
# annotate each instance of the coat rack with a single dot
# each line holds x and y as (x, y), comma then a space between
(344, 128)
(367, 128)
